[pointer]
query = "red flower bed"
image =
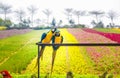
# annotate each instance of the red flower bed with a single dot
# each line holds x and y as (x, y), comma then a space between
(8, 33)
(112, 36)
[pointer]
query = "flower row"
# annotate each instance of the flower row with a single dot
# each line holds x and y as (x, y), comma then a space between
(113, 36)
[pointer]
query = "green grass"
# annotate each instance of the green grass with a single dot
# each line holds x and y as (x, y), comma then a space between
(19, 50)
(108, 30)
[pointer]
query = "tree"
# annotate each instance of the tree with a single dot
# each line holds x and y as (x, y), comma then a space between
(78, 14)
(47, 12)
(68, 13)
(97, 25)
(97, 14)
(25, 23)
(93, 23)
(32, 9)
(71, 22)
(38, 21)
(20, 14)
(8, 23)
(5, 9)
(1, 22)
(60, 22)
(53, 22)
(112, 15)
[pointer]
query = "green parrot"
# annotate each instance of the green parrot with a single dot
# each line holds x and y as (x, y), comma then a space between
(56, 39)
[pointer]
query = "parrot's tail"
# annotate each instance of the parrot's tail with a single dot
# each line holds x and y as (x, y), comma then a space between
(40, 54)
(41, 57)
(53, 59)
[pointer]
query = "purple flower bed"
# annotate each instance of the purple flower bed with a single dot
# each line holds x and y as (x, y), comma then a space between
(112, 36)
(8, 33)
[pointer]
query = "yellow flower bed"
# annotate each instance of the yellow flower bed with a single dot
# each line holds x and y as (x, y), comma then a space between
(68, 58)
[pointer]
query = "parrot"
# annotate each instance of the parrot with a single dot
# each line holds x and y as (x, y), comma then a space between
(56, 39)
(5, 74)
(45, 38)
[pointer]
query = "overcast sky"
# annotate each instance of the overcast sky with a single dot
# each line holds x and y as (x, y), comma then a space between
(58, 6)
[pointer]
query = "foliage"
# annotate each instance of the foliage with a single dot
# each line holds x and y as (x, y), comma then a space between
(24, 24)
(6, 23)
(53, 22)
(68, 13)
(72, 22)
(59, 23)
(20, 14)
(78, 14)
(3, 28)
(97, 15)
(1, 22)
(41, 27)
(47, 12)
(97, 25)
(79, 26)
(5, 9)
(112, 15)
(20, 50)
(32, 9)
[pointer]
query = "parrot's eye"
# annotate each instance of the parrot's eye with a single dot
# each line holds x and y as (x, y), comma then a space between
(57, 34)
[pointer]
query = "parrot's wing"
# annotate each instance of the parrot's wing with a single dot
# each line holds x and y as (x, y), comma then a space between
(53, 59)
(43, 36)
(53, 39)
(61, 39)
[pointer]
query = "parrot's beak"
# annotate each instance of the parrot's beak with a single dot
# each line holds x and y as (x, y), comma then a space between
(53, 30)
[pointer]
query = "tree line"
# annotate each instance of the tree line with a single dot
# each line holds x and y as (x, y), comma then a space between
(6, 9)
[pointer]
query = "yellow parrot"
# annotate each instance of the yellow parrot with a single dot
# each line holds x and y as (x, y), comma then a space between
(45, 38)
(56, 39)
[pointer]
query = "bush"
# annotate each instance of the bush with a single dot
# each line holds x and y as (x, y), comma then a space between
(3, 28)
(41, 27)
(79, 26)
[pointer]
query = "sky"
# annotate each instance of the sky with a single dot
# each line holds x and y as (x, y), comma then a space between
(57, 7)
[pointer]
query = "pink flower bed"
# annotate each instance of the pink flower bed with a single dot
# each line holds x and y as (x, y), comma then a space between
(86, 37)
(112, 36)
(8, 33)
(105, 58)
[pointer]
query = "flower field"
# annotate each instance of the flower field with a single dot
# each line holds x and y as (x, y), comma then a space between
(105, 58)
(8, 33)
(18, 54)
(113, 36)
(67, 59)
